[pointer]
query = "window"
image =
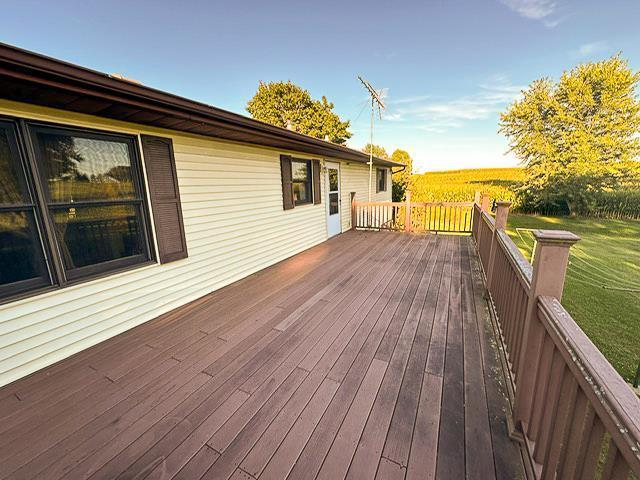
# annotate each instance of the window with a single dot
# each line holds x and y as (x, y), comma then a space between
(90, 215)
(22, 263)
(334, 191)
(93, 199)
(381, 177)
(301, 179)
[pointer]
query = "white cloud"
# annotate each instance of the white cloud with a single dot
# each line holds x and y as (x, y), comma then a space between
(439, 116)
(592, 48)
(445, 133)
(534, 10)
(400, 101)
(392, 117)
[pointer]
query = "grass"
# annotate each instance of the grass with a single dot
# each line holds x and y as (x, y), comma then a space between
(607, 256)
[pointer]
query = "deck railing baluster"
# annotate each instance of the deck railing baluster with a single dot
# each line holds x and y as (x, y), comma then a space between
(594, 447)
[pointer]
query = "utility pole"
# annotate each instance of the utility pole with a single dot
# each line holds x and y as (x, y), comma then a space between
(376, 100)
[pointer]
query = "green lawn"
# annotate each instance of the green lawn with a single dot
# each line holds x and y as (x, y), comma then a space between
(607, 256)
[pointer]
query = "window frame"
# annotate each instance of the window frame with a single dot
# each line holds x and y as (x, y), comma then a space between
(308, 183)
(59, 276)
(382, 171)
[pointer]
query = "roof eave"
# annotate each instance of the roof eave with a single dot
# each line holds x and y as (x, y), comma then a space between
(96, 93)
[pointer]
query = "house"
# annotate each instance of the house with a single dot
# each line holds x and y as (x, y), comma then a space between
(121, 202)
(176, 302)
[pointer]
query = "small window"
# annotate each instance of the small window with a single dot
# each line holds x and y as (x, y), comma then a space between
(382, 179)
(301, 179)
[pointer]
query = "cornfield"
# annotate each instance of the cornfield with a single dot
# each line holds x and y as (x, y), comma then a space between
(500, 183)
(624, 204)
(461, 185)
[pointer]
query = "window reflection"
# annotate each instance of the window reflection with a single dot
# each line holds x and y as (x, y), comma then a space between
(22, 263)
(12, 189)
(333, 203)
(90, 235)
(301, 176)
(20, 255)
(382, 180)
(79, 169)
(333, 180)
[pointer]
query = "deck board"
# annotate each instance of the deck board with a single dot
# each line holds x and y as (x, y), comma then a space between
(369, 356)
(451, 440)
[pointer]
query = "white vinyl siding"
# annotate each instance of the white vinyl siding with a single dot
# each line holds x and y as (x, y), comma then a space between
(235, 225)
(355, 178)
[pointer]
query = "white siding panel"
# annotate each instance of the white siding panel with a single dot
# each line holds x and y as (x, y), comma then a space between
(234, 225)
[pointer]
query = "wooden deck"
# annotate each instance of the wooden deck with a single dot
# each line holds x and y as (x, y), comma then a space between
(368, 356)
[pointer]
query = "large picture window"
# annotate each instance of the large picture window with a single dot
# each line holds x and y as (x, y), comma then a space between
(90, 204)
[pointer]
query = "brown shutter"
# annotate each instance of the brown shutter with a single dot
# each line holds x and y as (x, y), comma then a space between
(287, 184)
(165, 197)
(377, 180)
(317, 197)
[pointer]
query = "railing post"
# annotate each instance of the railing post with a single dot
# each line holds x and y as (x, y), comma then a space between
(354, 213)
(550, 260)
(475, 219)
(485, 203)
(502, 213)
(407, 211)
(484, 207)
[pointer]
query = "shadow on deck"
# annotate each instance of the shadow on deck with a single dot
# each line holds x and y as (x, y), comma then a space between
(371, 355)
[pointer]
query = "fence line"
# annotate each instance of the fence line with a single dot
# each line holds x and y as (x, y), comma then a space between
(446, 217)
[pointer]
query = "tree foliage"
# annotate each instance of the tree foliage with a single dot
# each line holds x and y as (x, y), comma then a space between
(401, 180)
(286, 105)
(576, 137)
(378, 151)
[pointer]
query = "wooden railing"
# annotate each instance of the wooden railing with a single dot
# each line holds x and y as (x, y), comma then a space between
(574, 414)
(449, 217)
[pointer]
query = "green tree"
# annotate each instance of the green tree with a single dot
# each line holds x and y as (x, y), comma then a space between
(378, 151)
(576, 137)
(286, 105)
(401, 180)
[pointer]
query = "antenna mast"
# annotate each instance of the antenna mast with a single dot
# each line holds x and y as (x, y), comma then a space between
(376, 100)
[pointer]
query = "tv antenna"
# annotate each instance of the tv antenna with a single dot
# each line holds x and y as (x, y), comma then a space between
(376, 101)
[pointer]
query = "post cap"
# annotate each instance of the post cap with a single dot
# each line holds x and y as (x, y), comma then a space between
(558, 237)
(503, 204)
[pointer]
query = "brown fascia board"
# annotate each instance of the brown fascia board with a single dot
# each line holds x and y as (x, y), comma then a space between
(49, 72)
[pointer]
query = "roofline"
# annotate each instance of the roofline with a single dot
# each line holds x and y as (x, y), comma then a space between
(31, 67)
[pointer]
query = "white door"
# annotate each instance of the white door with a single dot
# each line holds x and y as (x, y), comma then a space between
(332, 181)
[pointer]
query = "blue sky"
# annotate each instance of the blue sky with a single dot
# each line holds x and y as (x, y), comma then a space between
(448, 67)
